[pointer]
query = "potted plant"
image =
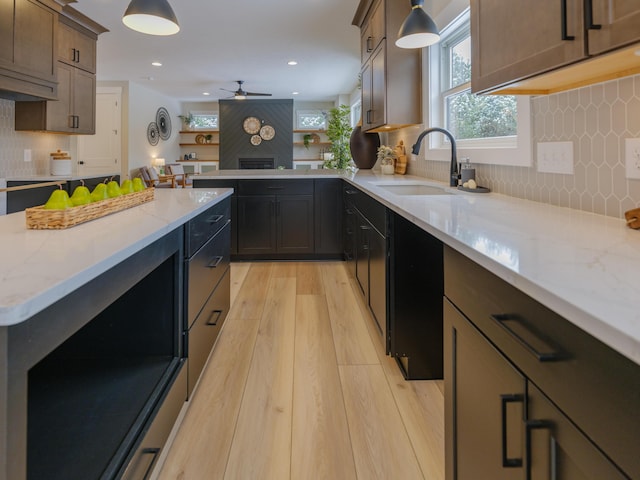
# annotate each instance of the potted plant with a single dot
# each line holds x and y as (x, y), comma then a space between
(306, 139)
(339, 134)
(208, 137)
(187, 120)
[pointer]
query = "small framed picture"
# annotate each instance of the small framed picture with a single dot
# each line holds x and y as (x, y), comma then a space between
(192, 156)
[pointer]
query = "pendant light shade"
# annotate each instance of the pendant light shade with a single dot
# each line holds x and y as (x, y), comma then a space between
(418, 30)
(154, 17)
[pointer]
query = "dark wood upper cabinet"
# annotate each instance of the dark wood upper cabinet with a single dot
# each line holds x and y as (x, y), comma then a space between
(522, 47)
(74, 111)
(28, 32)
(390, 76)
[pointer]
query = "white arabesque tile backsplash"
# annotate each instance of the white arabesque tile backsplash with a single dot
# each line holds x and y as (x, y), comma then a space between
(13, 145)
(597, 119)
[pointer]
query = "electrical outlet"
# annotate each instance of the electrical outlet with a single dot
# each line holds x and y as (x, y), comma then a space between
(27, 155)
(555, 157)
(632, 157)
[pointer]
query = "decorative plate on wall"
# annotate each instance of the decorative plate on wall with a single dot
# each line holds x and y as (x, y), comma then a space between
(164, 123)
(153, 135)
(256, 139)
(251, 125)
(200, 139)
(267, 132)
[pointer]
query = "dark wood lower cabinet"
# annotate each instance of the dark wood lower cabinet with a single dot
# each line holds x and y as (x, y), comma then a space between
(256, 225)
(529, 395)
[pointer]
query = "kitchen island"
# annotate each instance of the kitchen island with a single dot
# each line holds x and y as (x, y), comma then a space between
(104, 302)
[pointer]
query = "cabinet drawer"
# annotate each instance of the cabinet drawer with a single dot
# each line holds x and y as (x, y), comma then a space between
(146, 455)
(204, 271)
(596, 387)
(371, 209)
(204, 331)
(275, 187)
(206, 225)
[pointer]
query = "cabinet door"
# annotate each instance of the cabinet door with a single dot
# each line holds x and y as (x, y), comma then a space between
(256, 224)
(378, 116)
(615, 23)
(84, 102)
(6, 32)
(557, 450)
(373, 32)
(378, 282)
(484, 405)
(349, 238)
(367, 95)
(294, 224)
(362, 253)
(59, 113)
(35, 32)
(328, 216)
(515, 39)
(76, 48)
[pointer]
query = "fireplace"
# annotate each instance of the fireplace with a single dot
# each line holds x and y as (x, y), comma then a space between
(256, 163)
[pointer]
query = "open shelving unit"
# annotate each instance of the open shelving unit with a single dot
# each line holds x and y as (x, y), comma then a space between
(208, 154)
(311, 156)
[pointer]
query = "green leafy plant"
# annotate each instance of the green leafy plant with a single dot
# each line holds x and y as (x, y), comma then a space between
(187, 120)
(339, 134)
(306, 139)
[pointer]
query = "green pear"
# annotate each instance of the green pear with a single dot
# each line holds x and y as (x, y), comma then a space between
(113, 189)
(99, 193)
(138, 184)
(59, 200)
(81, 195)
(126, 187)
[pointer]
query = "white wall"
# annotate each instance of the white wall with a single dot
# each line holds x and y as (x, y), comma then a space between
(142, 106)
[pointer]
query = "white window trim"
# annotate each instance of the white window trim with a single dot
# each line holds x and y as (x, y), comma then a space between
(515, 151)
(310, 112)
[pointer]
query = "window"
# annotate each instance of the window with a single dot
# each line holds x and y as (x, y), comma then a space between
(356, 113)
(205, 120)
(311, 120)
(488, 128)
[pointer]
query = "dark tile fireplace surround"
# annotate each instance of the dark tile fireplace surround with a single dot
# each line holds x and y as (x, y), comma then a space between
(236, 149)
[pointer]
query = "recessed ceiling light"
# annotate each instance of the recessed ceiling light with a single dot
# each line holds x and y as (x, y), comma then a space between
(295, 93)
(156, 64)
(292, 62)
(206, 93)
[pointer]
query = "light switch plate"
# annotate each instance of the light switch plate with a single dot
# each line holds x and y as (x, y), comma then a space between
(555, 157)
(632, 157)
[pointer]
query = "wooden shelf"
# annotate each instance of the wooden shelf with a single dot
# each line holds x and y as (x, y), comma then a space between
(312, 143)
(212, 144)
(309, 131)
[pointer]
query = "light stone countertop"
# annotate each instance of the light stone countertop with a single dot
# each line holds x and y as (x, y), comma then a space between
(53, 178)
(583, 266)
(39, 267)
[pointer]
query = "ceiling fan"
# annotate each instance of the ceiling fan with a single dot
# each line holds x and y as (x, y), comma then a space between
(241, 94)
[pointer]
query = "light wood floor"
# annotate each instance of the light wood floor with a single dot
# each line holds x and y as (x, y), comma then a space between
(298, 387)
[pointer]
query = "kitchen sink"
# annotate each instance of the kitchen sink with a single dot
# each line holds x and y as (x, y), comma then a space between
(414, 189)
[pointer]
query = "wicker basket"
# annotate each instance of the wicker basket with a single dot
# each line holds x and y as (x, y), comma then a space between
(39, 218)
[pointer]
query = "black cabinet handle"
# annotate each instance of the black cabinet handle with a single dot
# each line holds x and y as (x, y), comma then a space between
(149, 451)
(368, 116)
(549, 356)
(589, 13)
(78, 56)
(214, 314)
(275, 188)
(563, 12)
(504, 400)
(350, 192)
(215, 262)
(538, 425)
(369, 43)
(215, 218)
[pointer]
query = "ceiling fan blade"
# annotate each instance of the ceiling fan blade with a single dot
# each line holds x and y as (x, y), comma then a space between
(227, 90)
(254, 94)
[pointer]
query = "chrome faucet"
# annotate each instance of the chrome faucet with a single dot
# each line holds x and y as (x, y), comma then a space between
(453, 170)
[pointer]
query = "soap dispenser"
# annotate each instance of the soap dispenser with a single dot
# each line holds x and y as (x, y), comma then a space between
(467, 171)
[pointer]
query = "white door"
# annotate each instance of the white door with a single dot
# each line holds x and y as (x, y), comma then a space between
(99, 154)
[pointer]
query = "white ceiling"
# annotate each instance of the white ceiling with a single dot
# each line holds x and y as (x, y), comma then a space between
(221, 41)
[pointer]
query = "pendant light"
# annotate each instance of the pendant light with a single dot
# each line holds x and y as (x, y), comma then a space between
(154, 17)
(418, 30)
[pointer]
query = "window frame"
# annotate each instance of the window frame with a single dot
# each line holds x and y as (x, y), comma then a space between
(514, 150)
(310, 112)
(206, 113)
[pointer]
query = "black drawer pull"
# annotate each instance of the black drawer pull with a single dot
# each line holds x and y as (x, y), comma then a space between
(215, 218)
(215, 262)
(504, 400)
(563, 11)
(275, 188)
(150, 451)
(538, 425)
(214, 313)
(350, 192)
(549, 356)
